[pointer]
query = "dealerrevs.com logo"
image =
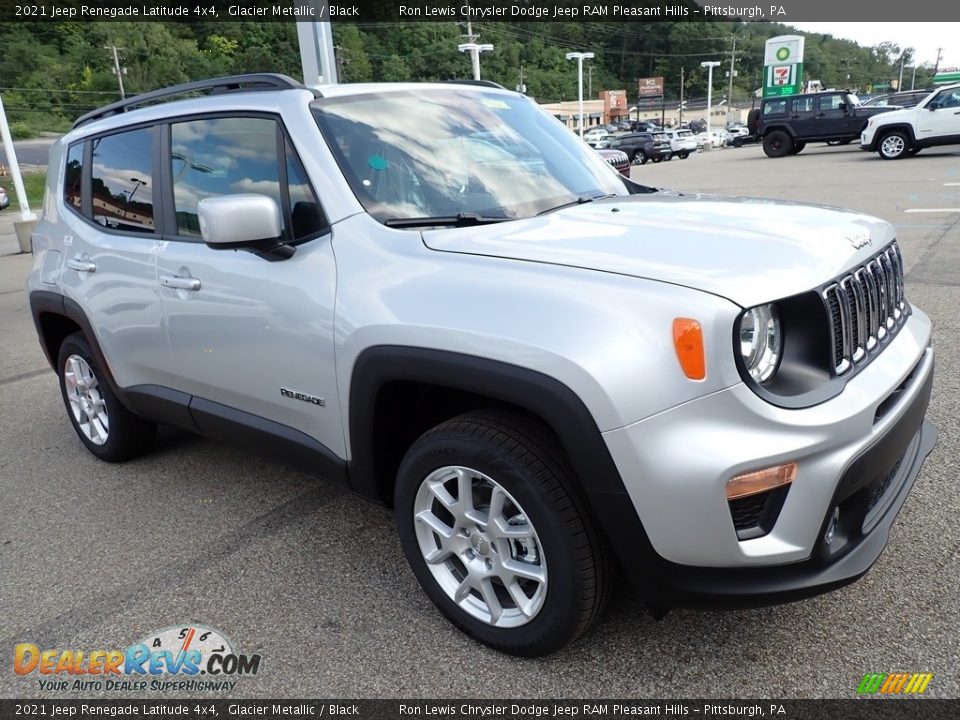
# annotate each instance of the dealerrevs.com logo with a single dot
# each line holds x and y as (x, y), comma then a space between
(188, 657)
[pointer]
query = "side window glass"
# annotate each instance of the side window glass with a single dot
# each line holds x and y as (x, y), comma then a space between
(830, 102)
(221, 156)
(775, 107)
(122, 181)
(803, 104)
(73, 176)
(306, 217)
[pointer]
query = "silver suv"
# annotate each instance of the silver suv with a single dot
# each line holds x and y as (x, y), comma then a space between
(439, 297)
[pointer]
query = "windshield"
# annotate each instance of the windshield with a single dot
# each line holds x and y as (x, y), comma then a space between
(460, 151)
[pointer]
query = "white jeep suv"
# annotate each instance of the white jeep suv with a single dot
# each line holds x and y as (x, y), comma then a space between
(901, 133)
(439, 297)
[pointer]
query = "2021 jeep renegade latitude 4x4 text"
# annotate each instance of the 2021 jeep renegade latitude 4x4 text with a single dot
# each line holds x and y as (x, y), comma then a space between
(441, 298)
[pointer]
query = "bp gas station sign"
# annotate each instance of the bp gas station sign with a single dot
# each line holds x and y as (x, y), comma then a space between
(783, 65)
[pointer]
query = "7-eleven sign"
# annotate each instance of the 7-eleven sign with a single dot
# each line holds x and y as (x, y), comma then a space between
(782, 79)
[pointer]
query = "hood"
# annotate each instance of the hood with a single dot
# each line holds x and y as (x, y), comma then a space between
(749, 251)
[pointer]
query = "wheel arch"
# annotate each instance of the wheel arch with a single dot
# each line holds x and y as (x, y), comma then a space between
(785, 127)
(390, 382)
(56, 317)
(885, 130)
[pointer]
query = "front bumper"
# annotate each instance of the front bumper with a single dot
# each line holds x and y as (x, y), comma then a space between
(859, 452)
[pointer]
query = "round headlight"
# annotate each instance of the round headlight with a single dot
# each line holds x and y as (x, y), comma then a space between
(761, 341)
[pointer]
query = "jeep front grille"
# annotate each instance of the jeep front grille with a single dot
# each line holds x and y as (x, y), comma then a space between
(865, 308)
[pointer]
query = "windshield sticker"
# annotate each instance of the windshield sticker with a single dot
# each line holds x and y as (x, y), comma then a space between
(378, 162)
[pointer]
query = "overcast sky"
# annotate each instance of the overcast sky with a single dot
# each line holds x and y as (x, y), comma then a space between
(924, 37)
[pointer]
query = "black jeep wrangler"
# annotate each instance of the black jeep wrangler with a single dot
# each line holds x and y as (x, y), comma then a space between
(786, 124)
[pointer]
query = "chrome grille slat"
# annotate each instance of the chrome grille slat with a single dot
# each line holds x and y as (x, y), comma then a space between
(865, 308)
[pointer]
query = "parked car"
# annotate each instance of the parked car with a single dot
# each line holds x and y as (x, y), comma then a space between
(602, 141)
(905, 99)
(594, 134)
(682, 143)
(786, 124)
(901, 133)
(4, 199)
(542, 367)
(616, 159)
(643, 146)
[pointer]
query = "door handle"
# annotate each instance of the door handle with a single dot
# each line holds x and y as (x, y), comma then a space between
(179, 283)
(820, 115)
(81, 265)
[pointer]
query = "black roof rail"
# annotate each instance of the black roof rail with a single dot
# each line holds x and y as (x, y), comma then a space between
(481, 83)
(232, 83)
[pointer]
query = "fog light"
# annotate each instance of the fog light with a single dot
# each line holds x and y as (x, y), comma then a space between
(832, 527)
(760, 481)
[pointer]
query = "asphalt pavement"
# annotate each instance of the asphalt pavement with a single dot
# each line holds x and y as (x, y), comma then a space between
(95, 556)
(30, 153)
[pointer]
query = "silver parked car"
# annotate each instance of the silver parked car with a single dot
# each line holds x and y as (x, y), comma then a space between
(542, 367)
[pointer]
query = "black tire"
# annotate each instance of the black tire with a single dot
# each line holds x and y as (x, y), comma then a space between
(894, 145)
(639, 158)
(128, 435)
(657, 158)
(777, 144)
(847, 141)
(913, 151)
(528, 462)
(798, 148)
(834, 143)
(753, 120)
(683, 155)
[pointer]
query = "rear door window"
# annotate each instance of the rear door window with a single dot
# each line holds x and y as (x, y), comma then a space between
(121, 181)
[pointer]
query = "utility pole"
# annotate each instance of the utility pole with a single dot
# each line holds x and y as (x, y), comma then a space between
(936, 68)
(733, 60)
(900, 80)
(590, 82)
(521, 88)
(913, 81)
(709, 65)
(116, 68)
(474, 49)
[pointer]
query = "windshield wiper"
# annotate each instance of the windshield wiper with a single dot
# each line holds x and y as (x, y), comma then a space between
(582, 200)
(458, 220)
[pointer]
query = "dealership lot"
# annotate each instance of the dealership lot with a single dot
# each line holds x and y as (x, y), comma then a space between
(96, 556)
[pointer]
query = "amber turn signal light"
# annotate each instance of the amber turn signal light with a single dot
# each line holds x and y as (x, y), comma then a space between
(688, 342)
(760, 481)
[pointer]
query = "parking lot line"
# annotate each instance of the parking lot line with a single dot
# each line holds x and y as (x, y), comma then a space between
(951, 184)
(932, 210)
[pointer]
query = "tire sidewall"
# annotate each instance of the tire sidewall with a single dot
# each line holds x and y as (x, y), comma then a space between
(559, 611)
(777, 152)
(906, 146)
(78, 345)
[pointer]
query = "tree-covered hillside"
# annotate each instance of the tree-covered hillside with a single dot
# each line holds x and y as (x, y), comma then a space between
(52, 72)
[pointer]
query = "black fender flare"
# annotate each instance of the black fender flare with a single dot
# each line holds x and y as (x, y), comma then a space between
(46, 302)
(555, 403)
(904, 127)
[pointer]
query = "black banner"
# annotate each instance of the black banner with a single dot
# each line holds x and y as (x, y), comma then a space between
(205, 709)
(373, 11)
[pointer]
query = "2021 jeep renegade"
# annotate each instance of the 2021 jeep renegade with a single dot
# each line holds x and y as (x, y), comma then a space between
(439, 297)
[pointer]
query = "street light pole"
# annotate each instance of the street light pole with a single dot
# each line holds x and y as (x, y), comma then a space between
(710, 65)
(580, 57)
(475, 49)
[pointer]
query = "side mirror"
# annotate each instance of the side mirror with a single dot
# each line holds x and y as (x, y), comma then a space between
(233, 221)
(933, 106)
(244, 222)
(843, 107)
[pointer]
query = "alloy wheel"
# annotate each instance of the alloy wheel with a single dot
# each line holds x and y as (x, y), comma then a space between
(480, 546)
(88, 406)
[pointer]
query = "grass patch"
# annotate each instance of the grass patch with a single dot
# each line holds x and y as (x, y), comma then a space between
(33, 183)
